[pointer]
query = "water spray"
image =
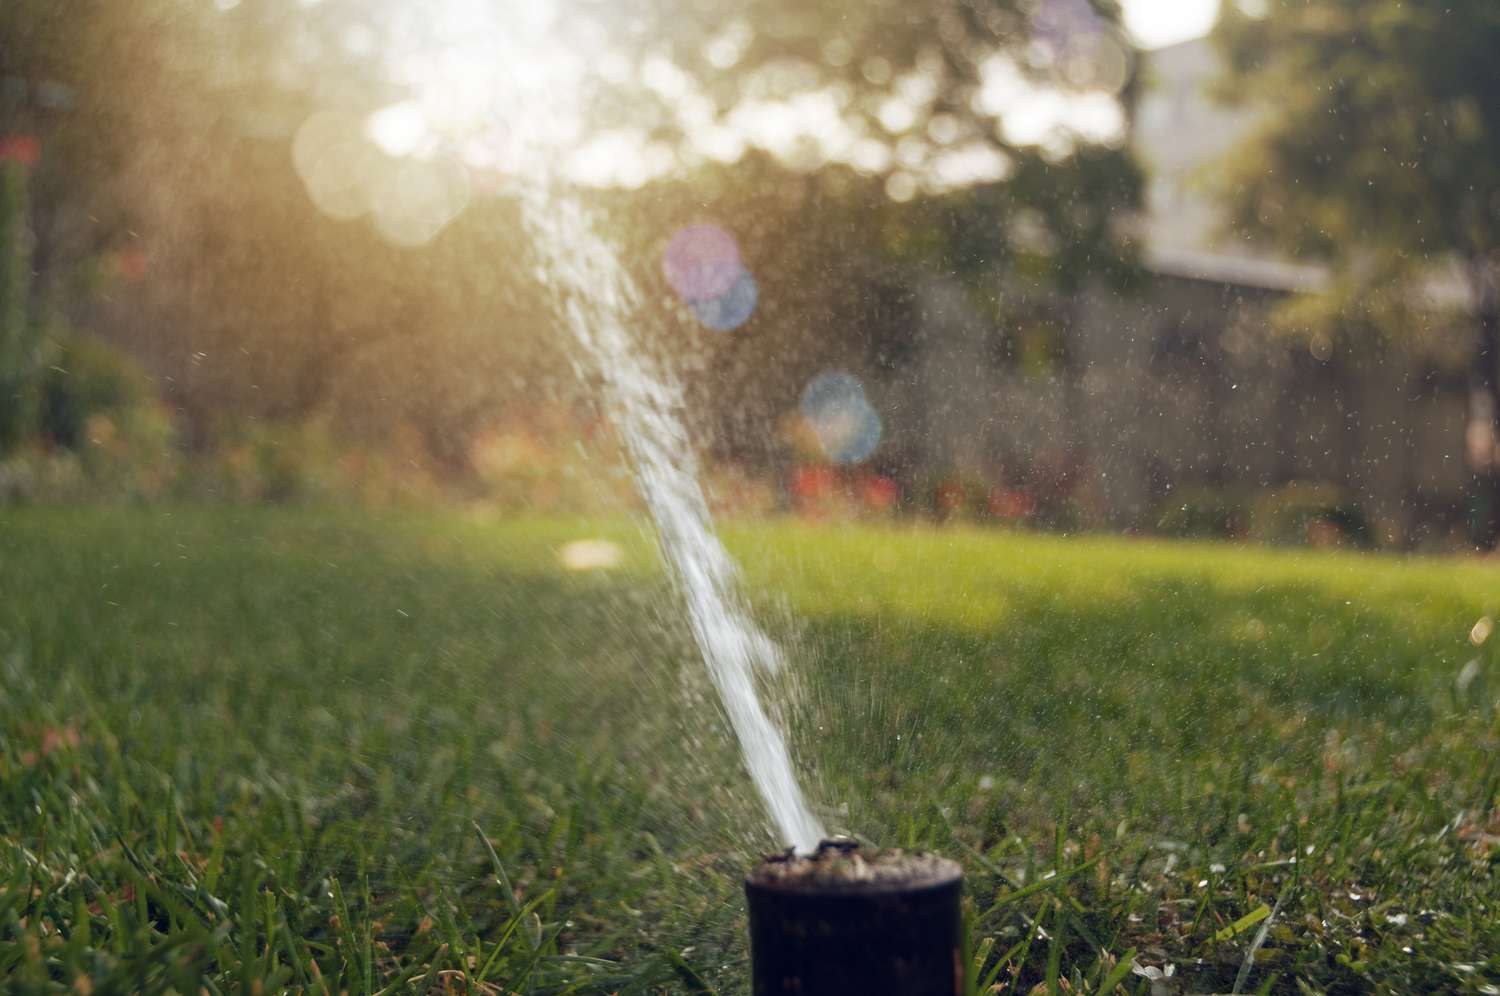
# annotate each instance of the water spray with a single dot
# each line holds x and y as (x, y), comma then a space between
(826, 919)
(598, 299)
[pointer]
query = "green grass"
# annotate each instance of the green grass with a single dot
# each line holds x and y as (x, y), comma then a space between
(254, 750)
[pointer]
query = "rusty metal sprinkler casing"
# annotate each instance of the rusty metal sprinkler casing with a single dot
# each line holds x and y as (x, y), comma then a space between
(851, 920)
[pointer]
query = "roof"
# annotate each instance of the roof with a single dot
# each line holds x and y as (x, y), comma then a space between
(1248, 271)
(1180, 134)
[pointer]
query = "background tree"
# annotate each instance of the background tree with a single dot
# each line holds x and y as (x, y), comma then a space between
(89, 90)
(18, 348)
(1380, 152)
(170, 219)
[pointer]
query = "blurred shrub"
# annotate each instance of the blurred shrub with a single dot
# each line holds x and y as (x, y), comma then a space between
(30, 475)
(734, 491)
(1062, 515)
(1301, 514)
(259, 461)
(508, 467)
(546, 468)
(1010, 505)
(89, 380)
(395, 472)
(1204, 512)
(291, 461)
(816, 489)
(101, 432)
(1311, 514)
(821, 490)
(945, 497)
(957, 497)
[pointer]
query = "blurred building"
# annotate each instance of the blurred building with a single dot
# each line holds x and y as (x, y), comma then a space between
(1171, 406)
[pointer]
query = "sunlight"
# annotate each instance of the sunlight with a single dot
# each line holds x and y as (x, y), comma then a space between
(484, 94)
(1159, 23)
(495, 83)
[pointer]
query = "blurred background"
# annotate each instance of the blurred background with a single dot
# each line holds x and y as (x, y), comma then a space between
(1183, 267)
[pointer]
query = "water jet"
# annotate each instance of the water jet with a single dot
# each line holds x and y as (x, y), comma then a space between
(597, 297)
(854, 919)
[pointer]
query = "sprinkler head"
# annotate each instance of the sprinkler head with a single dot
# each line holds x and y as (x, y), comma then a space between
(853, 919)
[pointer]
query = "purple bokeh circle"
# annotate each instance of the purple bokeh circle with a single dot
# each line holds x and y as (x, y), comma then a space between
(702, 262)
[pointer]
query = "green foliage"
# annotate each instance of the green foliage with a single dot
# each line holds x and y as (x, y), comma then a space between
(1309, 513)
(1297, 514)
(1204, 513)
(89, 380)
(1379, 150)
(277, 462)
(18, 359)
(98, 430)
(1381, 144)
(252, 746)
(258, 307)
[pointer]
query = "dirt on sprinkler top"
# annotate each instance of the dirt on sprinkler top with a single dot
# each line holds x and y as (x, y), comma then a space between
(845, 866)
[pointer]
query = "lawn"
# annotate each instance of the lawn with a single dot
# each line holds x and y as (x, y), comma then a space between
(265, 749)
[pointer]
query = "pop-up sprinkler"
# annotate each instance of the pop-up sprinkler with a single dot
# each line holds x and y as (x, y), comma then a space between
(854, 920)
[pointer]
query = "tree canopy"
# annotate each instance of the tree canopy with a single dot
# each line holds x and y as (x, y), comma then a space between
(1380, 152)
(174, 214)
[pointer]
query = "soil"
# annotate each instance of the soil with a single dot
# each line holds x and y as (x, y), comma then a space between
(844, 866)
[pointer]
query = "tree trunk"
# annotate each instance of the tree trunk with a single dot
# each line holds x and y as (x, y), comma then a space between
(16, 360)
(1483, 432)
(1074, 367)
